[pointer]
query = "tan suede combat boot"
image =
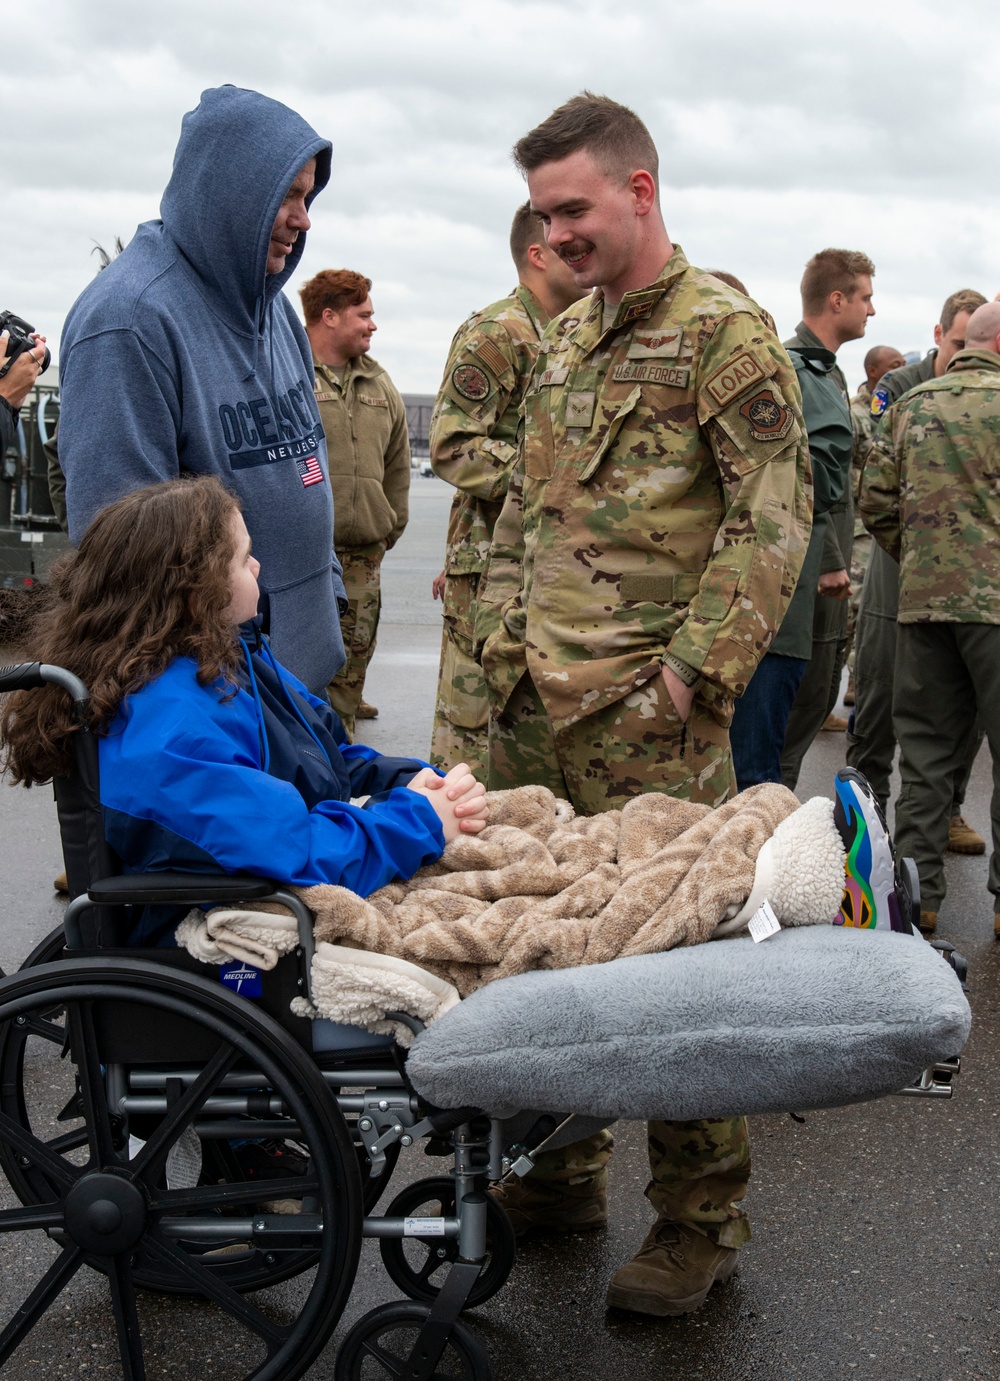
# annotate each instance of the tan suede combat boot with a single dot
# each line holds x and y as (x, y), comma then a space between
(962, 838)
(365, 711)
(672, 1272)
(928, 922)
(532, 1205)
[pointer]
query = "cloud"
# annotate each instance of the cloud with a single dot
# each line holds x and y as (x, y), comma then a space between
(780, 130)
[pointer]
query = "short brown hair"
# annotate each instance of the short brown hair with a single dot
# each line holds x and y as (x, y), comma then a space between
(612, 134)
(965, 300)
(525, 231)
(830, 271)
(333, 288)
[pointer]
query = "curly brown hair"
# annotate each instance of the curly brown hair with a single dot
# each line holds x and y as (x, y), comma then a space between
(149, 582)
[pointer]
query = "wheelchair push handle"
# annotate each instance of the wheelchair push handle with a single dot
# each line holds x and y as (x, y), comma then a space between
(30, 675)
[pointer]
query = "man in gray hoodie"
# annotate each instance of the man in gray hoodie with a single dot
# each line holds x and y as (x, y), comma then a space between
(184, 355)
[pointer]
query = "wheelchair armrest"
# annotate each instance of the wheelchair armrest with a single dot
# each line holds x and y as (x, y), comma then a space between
(139, 889)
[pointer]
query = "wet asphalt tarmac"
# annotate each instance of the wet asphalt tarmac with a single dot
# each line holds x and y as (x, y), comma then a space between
(875, 1250)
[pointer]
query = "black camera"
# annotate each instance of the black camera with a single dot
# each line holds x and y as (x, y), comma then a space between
(20, 340)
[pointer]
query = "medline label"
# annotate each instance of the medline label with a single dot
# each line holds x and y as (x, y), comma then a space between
(423, 1227)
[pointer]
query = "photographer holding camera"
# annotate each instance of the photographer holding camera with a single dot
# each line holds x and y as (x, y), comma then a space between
(23, 357)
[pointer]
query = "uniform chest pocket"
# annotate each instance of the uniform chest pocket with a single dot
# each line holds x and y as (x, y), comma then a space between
(539, 454)
(593, 451)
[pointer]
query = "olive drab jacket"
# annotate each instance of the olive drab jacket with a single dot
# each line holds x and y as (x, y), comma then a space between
(368, 447)
(661, 501)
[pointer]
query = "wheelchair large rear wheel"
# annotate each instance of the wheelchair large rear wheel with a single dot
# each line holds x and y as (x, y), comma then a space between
(125, 1173)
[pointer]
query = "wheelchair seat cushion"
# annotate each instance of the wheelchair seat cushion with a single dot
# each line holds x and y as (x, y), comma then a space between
(809, 1018)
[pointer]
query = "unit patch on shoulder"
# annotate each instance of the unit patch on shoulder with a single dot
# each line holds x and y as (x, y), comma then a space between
(769, 420)
(492, 357)
(471, 382)
(734, 378)
(880, 401)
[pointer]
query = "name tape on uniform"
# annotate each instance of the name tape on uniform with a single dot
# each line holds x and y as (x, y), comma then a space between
(648, 372)
(764, 923)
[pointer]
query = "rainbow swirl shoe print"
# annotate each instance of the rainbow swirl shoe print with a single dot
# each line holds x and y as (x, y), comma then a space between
(870, 901)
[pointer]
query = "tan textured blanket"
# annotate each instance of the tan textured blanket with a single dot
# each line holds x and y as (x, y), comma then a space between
(540, 888)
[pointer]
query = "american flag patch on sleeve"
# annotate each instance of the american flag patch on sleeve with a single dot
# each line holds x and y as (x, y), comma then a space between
(309, 471)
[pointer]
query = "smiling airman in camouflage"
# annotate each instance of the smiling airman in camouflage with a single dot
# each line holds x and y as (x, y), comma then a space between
(652, 535)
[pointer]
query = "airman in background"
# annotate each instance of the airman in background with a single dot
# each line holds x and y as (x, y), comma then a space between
(929, 498)
(879, 360)
(871, 738)
(473, 443)
(368, 446)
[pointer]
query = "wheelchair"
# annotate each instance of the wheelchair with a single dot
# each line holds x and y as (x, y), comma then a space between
(175, 1136)
(180, 1137)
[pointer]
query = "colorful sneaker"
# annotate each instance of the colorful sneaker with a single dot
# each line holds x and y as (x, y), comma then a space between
(870, 900)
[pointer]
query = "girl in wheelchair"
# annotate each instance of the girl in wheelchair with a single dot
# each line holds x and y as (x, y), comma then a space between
(213, 757)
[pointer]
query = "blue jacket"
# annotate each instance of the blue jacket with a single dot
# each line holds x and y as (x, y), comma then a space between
(184, 355)
(200, 779)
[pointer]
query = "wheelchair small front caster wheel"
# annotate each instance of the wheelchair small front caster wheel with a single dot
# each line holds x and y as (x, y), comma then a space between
(419, 1265)
(382, 1342)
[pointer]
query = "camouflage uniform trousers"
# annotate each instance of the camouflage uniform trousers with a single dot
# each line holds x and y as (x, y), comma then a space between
(947, 676)
(700, 1170)
(362, 570)
(461, 712)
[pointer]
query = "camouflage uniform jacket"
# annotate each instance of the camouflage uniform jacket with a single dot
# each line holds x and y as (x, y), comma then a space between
(891, 387)
(369, 452)
(863, 426)
(473, 433)
(931, 493)
(666, 494)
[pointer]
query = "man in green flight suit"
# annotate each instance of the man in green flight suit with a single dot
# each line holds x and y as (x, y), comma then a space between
(473, 443)
(828, 329)
(769, 737)
(651, 537)
(929, 497)
(871, 738)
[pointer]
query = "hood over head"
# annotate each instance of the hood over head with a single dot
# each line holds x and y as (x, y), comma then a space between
(238, 154)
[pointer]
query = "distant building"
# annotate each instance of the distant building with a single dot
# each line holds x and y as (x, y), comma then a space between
(418, 419)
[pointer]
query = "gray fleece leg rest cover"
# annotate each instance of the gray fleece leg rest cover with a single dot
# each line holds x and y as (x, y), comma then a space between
(810, 1018)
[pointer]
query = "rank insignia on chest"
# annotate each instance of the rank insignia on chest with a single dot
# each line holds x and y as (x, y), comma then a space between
(635, 311)
(769, 420)
(579, 409)
(471, 382)
(880, 401)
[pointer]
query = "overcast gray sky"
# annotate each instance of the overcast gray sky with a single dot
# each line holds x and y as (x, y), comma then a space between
(782, 128)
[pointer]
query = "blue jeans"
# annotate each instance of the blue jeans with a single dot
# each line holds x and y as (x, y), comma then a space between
(757, 733)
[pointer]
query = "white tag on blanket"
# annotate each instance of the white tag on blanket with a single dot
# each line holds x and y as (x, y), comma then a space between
(764, 922)
(423, 1227)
